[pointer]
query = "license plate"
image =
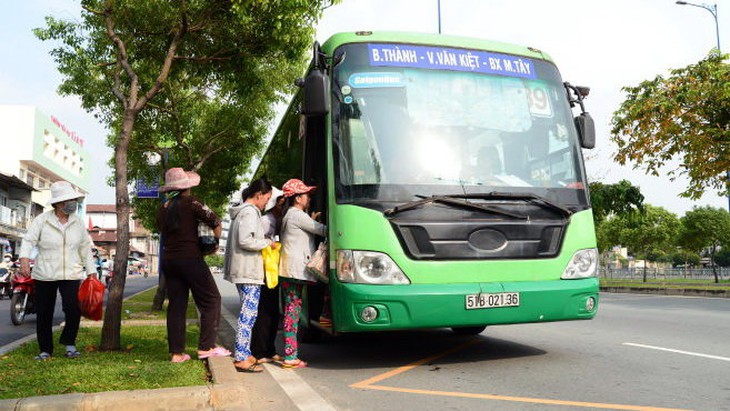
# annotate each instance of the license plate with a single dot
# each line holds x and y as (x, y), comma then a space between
(476, 301)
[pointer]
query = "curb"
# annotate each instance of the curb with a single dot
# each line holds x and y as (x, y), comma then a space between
(687, 292)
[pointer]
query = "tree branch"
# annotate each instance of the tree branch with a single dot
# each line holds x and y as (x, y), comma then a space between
(123, 61)
(165, 71)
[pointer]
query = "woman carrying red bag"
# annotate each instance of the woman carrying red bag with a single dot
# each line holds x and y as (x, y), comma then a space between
(64, 249)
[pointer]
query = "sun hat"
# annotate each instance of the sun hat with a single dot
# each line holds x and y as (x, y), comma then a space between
(296, 186)
(275, 193)
(178, 179)
(63, 191)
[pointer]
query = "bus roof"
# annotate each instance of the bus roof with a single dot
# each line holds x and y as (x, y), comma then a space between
(430, 39)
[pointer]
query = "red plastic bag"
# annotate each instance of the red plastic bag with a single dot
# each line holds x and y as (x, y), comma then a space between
(91, 298)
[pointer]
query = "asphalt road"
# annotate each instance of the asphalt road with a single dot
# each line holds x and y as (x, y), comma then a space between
(640, 353)
(10, 332)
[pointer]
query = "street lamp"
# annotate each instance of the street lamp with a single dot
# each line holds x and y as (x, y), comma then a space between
(712, 8)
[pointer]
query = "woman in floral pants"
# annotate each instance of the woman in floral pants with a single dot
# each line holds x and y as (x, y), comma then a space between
(244, 266)
(297, 247)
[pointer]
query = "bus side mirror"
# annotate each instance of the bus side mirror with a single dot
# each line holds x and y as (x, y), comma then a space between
(316, 94)
(586, 130)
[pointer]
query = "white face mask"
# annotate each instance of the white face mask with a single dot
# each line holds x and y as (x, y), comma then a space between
(7, 259)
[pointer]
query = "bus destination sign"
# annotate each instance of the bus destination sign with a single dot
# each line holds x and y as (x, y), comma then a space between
(441, 58)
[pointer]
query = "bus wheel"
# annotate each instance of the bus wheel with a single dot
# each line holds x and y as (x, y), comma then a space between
(468, 330)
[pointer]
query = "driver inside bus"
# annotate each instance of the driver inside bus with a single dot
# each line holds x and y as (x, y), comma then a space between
(488, 164)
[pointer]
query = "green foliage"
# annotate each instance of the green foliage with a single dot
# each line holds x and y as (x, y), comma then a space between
(722, 258)
(215, 260)
(233, 62)
(192, 80)
(705, 227)
(649, 234)
(619, 198)
(684, 258)
(685, 116)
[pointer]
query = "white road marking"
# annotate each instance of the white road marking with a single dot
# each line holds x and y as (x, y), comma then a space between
(301, 393)
(714, 357)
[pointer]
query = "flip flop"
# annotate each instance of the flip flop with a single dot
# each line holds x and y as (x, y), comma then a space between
(266, 360)
(253, 368)
(42, 356)
(296, 364)
(181, 358)
(214, 352)
(73, 354)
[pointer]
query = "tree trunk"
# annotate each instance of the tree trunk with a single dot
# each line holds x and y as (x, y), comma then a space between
(161, 293)
(111, 329)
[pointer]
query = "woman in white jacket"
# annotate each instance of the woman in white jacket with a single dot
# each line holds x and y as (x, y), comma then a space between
(64, 259)
(244, 266)
(297, 246)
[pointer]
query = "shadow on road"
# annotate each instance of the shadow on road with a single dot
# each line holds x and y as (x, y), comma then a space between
(398, 348)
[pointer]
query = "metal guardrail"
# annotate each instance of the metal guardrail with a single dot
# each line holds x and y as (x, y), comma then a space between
(664, 273)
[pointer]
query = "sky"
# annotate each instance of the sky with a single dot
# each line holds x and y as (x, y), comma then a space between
(605, 45)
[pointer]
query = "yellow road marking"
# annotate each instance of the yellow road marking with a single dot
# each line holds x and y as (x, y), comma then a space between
(369, 385)
(393, 373)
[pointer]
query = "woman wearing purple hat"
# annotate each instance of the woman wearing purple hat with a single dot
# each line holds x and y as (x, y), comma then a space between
(184, 267)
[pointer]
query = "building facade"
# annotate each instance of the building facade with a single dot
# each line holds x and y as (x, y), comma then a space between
(39, 150)
(143, 245)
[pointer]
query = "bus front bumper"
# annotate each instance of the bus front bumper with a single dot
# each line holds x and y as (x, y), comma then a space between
(444, 305)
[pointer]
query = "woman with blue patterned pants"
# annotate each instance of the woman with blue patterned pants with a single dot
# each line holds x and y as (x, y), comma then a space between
(244, 266)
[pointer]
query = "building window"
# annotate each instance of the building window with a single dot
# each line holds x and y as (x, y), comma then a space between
(21, 175)
(29, 179)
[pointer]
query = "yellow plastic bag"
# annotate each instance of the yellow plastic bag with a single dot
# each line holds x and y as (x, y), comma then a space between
(271, 265)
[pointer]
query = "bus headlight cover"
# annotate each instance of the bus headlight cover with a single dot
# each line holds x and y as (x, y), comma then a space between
(584, 264)
(368, 267)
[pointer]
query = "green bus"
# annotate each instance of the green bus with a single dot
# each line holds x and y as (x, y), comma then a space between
(451, 177)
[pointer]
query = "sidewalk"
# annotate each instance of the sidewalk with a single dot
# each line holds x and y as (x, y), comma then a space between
(230, 390)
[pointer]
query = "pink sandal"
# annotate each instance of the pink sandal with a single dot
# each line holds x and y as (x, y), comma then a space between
(178, 358)
(214, 352)
(294, 364)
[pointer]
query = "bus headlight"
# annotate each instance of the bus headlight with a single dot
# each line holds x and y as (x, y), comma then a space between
(584, 264)
(368, 267)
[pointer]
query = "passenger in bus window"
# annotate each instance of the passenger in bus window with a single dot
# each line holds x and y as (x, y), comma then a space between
(244, 266)
(297, 247)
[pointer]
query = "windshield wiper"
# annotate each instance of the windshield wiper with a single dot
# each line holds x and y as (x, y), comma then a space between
(452, 200)
(529, 197)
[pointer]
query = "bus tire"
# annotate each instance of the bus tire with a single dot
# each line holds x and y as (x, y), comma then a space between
(468, 330)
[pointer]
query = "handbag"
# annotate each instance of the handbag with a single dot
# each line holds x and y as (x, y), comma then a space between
(91, 298)
(207, 240)
(271, 265)
(317, 265)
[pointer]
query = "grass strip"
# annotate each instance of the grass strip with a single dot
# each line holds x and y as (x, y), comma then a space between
(671, 284)
(143, 362)
(139, 307)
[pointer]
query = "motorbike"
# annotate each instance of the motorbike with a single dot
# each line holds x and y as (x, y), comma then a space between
(6, 288)
(22, 300)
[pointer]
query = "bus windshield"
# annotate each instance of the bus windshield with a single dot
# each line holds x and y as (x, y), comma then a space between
(413, 121)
